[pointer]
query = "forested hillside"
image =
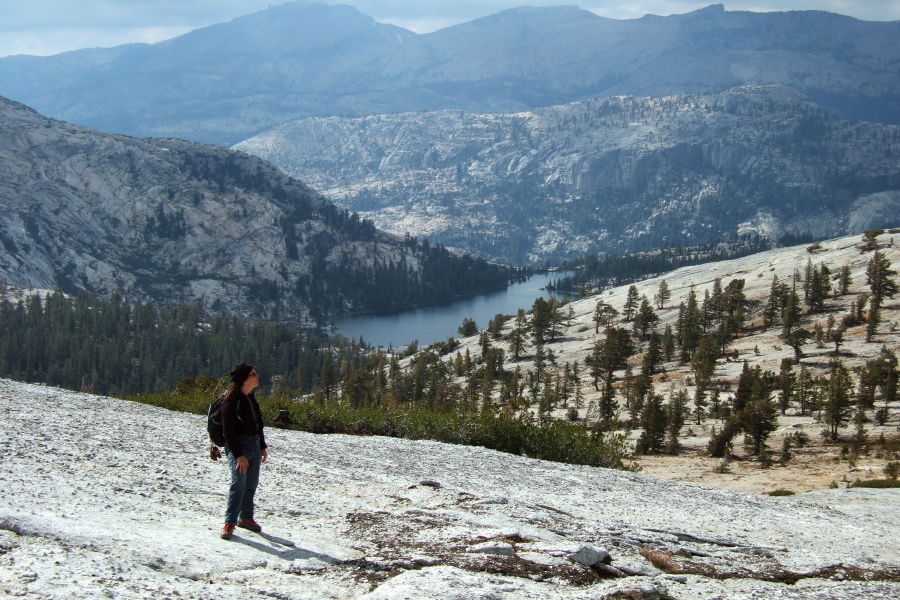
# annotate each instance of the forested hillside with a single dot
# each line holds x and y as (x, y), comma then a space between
(175, 222)
(114, 346)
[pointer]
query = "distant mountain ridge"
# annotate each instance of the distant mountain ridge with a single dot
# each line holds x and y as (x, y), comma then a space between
(606, 175)
(177, 222)
(224, 83)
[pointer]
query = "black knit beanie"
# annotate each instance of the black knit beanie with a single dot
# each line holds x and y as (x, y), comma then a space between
(240, 373)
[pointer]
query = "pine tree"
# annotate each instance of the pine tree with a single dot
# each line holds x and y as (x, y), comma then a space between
(819, 288)
(837, 402)
(468, 327)
(691, 330)
(662, 295)
(845, 280)
(703, 360)
(608, 404)
(881, 285)
(700, 404)
(645, 318)
(540, 361)
(791, 317)
(675, 414)
(786, 380)
(556, 317)
(540, 320)
(484, 341)
(668, 343)
(654, 356)
(653, 422)
(758, 420)
(517, 340)
(631, 303)
(604, 315)
(576, 386)
(880, 278)
(796, 340)
(775, 303)
(805, 389)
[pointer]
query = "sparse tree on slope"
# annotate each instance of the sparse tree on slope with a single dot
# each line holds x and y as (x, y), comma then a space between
(662, 295)
(675, 415)
(837, 403)
(517, 340)
(653, 421)
(631, 303)
(881, 285)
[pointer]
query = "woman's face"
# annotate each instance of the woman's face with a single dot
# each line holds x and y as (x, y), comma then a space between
(252, 381)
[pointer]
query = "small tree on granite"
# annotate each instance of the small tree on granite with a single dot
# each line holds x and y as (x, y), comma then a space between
(468, 327)
(631, 303)
(759, 420)
(688, 327)
(662, 295)
(517, 340)
(819, 288)
(576, 386)
(605, 315)
(805, 389)
(797, 339)
(881, 285)
(791, 315)
(786, 381)
(608, 403)
(845, 279)
(653, 421)
(775, 303)
(540, 320)
(870, 240)
(654, 355)
(668, 343)
(645, 318)
(675, 416)
(837, 401)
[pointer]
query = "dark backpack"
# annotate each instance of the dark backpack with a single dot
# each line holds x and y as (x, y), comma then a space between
(214, 422)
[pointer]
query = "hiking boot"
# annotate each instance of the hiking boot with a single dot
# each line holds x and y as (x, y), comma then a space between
(250, 524)
(227, 530)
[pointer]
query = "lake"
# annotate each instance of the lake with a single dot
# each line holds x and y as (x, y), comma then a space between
(437, 323)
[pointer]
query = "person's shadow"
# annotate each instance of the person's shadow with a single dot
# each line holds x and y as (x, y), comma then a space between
(284, 549)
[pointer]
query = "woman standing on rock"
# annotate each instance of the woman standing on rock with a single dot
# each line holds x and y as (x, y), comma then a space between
(245, 446)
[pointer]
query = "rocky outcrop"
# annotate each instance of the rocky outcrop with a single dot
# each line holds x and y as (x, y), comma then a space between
(224, 83)
(628, 173)
(86, 511)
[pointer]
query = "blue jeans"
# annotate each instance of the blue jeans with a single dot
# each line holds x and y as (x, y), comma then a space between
(243, 485)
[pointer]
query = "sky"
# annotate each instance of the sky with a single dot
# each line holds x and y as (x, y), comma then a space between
(44, 27)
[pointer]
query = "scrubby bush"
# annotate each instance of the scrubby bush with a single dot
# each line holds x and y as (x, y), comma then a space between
(876, 483)
(557, 441)
(892, 469)
(782, 493)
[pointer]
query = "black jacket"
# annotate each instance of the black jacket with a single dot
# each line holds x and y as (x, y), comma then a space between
(241, 416)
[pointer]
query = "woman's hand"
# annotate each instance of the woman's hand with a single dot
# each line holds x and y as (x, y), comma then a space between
(242, 464)
(265, 454)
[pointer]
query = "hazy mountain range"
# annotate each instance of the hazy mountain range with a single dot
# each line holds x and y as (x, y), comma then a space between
(605, 175)
(224, 83)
